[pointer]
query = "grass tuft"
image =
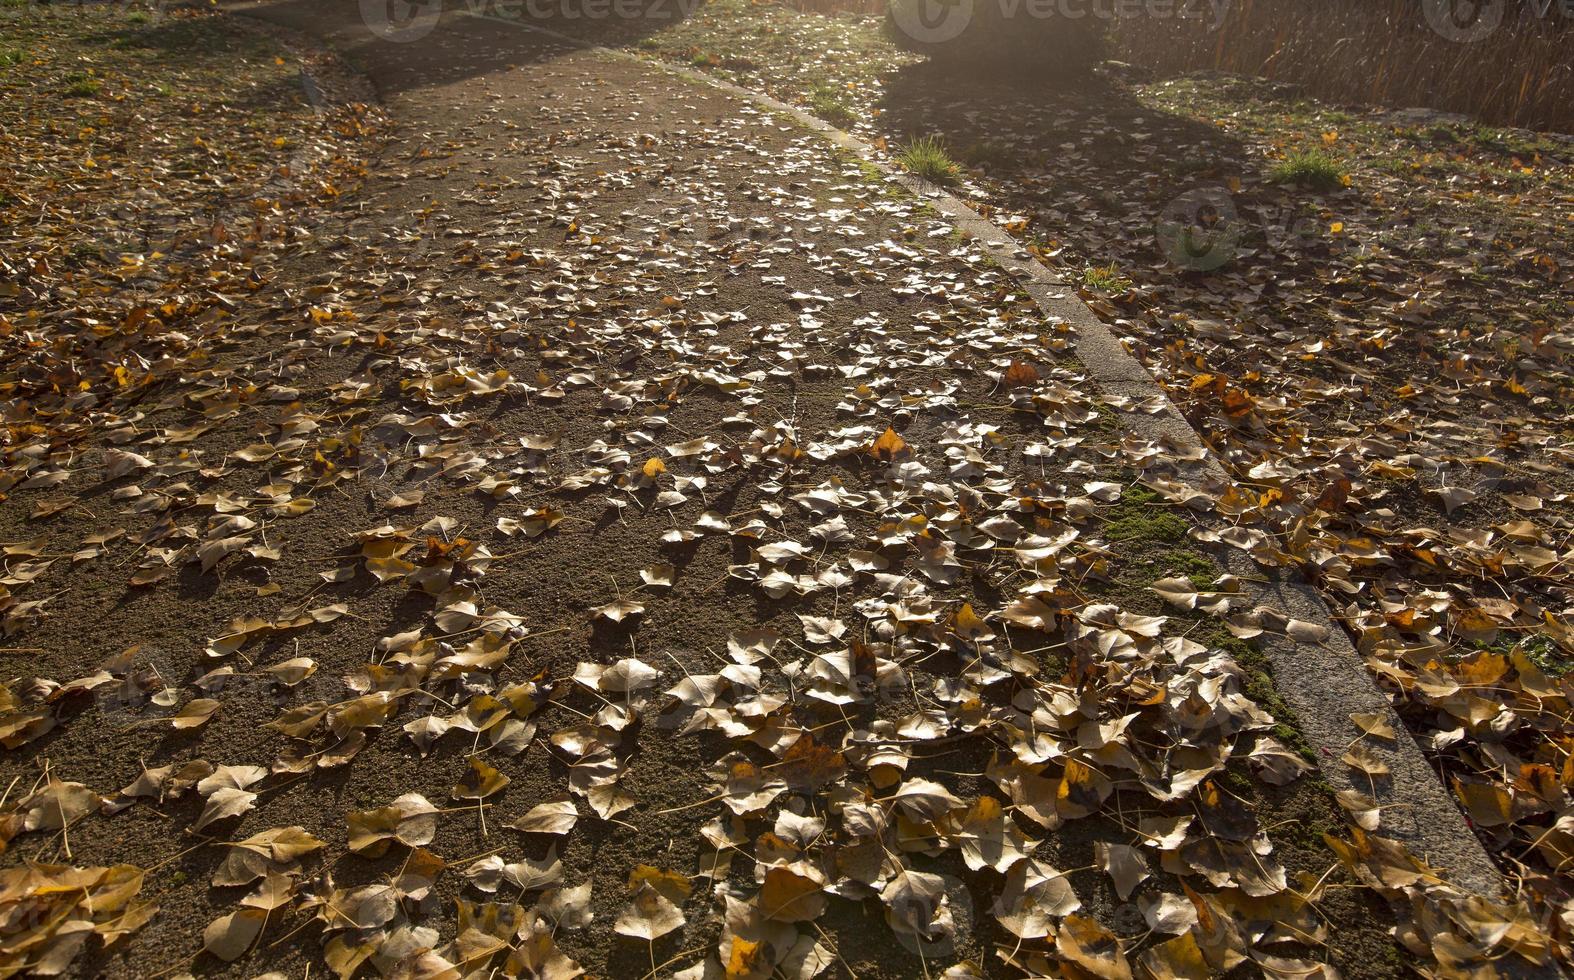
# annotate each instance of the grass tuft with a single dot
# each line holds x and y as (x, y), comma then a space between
(80, 85)
(1105, 279)
(1311, 168)
(826, 102)
(927, 158)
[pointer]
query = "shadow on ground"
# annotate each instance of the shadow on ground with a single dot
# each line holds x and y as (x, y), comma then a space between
(427, 53)
(1063, 153)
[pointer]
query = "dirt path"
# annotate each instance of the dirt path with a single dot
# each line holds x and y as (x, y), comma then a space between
(556, 469)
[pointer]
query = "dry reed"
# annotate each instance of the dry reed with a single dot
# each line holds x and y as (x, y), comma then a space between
(1387, 52)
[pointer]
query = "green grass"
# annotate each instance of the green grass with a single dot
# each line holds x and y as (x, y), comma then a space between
(1442, 134)
(928, 158)
(1539, 649)
(1198, 569)
(1140, 516)
(826, 102)
(1142, 566)
(1105, 279)
(1548, 657)
(12, 56)
(1396, 165)
(873, 176)
(80, 85)
(1311, 168)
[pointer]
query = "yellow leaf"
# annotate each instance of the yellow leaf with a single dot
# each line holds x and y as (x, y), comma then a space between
(787, 896)
(888, 445)
(1202, 381)
(671, 884)
(480, 782)
(968, 624)
(745, 958)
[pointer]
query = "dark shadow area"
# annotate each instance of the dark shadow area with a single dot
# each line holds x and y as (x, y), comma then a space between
(1062, 152)
(402, 54)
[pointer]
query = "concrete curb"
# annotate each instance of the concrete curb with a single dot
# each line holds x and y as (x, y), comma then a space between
(1323, 683)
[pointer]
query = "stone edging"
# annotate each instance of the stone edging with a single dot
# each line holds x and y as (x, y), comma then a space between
(1324, 683)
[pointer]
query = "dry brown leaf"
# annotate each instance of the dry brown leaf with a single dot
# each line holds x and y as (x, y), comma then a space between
(548, 818)
(789, 896)
(229, 937)
(481, 781)
(649, 915)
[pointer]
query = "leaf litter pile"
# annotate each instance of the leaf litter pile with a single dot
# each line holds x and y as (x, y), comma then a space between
(1366, 314)
(616, 537)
